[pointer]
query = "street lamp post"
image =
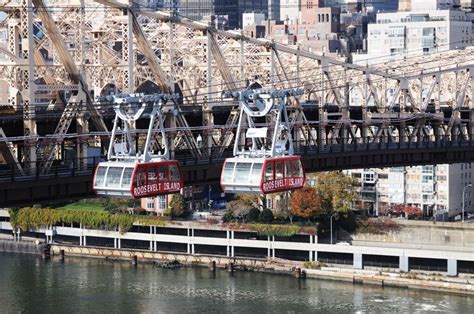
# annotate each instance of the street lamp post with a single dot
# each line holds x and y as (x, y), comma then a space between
(330, 223)
(464, 191)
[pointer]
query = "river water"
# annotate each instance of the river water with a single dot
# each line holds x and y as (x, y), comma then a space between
(30, 284)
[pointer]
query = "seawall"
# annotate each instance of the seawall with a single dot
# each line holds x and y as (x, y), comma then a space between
(22, 247)
(412, 280)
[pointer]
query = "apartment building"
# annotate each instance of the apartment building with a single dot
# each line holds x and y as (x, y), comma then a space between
(401, 34)
(434, 189)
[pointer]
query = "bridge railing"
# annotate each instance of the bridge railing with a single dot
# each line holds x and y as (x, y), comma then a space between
(60, 168)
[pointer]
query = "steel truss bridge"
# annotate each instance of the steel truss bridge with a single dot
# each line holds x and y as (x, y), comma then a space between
(59, 57)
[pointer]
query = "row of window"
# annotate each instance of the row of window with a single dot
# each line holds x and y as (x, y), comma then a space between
(247, 172)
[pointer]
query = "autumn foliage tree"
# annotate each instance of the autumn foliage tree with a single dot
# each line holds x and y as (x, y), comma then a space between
(336, 191)
(305, 203)
(177, 206)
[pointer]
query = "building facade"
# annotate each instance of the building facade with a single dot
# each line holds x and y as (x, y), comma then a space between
(290, 11)
(233, 9)
(434, 189)
(156, 205)
(398, 35)
(363, 5)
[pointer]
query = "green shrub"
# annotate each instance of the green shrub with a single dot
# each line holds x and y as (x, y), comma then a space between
(266, 216)
(273, 229)
(228, 216)
(253, 215)
(34, 218)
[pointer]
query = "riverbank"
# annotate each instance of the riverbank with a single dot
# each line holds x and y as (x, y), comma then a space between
(411, 280)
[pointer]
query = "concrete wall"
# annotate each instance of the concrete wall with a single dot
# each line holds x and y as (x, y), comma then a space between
(422, 234)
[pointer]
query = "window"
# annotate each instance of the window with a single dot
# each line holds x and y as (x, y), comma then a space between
(100, 176)
(279, 170)
(441, 178)
(426, 178)
(113, 177)
(162, 202)
(162, 173)
(228, 171)
(269, 171)
(150, 205)
(140, 177)
(127, 177)
(151, 174)
(174, 173)
(255, 173)
(298, 170)
(242, 172)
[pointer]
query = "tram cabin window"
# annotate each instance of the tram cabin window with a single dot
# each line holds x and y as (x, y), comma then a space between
(174, 173)
(228, 171)
(127, 177)
(279, 170)
(151, 174)
(255, 175)
(100, 176)
(242, 172)
(140, 177)
(269, 171)
(113, 177)
(162, 174)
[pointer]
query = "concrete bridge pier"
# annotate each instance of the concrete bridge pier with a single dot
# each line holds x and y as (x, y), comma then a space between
(452, 267)
(404, 265)
(358, 261)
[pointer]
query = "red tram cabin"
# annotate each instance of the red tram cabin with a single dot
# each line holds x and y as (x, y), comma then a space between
(137, 180)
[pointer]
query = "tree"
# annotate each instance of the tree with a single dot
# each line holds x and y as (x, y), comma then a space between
(336, 191)
(305, 203)
(282, 207)
(177, 206)
(242, 205)
(266, 216)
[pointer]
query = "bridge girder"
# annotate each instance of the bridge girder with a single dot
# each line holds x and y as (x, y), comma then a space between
(112, 43)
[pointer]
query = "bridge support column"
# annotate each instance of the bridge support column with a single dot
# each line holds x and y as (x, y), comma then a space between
(273, 248)
(192, 240)
(152, 243)
(269, 249)
(452, 267)
(232, 236)
(229, 241)
(404, 264)
(357, 263)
